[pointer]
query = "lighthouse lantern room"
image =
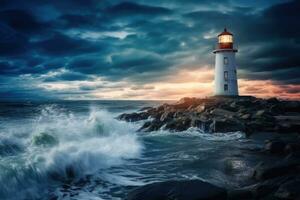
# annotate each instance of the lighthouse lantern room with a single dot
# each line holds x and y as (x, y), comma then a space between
(225, 66)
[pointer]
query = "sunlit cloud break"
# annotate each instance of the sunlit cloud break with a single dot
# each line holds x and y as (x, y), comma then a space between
(144, 49)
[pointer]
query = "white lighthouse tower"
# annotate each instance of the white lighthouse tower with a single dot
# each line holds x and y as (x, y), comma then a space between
(225, 66)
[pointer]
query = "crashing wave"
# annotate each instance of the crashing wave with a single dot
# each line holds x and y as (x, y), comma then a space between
(60, 146)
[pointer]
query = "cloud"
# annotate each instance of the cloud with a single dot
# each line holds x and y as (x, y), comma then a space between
(132, 9)
(62, 45)
(138, 45)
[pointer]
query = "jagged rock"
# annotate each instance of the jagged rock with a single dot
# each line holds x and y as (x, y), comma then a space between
(145, 108)
(152, 126)
(273, 100)
(239, 194)
(264, 190)
(263, 171)
(292, 106)
(179, 190)
(179, 124)
(289, 190)
(276, 147)
(246, 116)
(222, 114)
(288, 127)
(226, 125)
(202, 124)
(166, 116)
(133, 117)
(200, 108)
(292, 148)
(260, 113)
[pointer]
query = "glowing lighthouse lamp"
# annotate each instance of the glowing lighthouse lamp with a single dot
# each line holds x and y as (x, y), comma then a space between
(225, 66)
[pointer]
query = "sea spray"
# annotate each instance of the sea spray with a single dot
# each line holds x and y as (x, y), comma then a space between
(61, 146)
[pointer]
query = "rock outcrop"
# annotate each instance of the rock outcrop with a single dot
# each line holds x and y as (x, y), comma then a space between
(221, 114)
(179, 190)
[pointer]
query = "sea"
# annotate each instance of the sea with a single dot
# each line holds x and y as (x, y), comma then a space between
(71, 150)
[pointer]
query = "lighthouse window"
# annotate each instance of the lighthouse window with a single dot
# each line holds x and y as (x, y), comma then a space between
(226, 75)
(225, 61)
(225, 87)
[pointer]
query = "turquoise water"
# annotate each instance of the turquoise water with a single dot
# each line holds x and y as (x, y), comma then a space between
(78, 150)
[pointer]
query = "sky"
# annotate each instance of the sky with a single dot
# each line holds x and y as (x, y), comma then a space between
(141, 49)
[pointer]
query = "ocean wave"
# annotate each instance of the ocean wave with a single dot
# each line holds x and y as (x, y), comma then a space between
(195, 132)
(61, 146)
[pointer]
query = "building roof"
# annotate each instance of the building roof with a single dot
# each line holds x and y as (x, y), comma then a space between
(225, 32)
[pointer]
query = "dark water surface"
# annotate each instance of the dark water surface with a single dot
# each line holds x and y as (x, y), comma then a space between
(78, 150)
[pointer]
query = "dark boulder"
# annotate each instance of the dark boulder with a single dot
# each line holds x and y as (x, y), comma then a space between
(222, 114)
(292, 148)
(166, 116)
(133, 117)
(265, 171)
(288, 127)
(246, 116)
(289, 190)
(179, 124)
(178, 190)
(275, 147)
(239, 194)
(150, 126)
(291, 106)
(226, 125)
(146, 108)
(266, 189)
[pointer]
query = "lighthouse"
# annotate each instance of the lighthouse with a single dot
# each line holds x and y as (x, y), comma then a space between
(225, 66)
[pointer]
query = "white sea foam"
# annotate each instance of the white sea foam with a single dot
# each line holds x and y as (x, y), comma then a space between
(85, 145)
(195, 132)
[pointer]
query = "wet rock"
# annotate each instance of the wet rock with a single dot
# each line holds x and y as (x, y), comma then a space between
(292, 106)
(273, 100)
(263, 114)
(179, 124)
(266, 189)
(151, 126)
(264, 171)
(240, 194)
(133, 117)
(179, 190)
(226, 125)
(289, 190)
(288, 127)
(292, 148)
(202, 124)
(200, 108)
(166, 116)
(246, 116)
(275, 147)
(145, 108)
(222, 114)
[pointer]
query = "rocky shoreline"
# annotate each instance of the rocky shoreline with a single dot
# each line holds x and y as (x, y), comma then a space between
(221, 114)
(279, 179)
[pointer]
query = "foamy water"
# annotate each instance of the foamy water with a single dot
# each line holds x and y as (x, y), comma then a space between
(58, 145)
(80, 151)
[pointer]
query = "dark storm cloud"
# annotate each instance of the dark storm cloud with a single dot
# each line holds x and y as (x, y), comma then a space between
(142, 41)
(62, 45)
(132, 9)
(20, 20)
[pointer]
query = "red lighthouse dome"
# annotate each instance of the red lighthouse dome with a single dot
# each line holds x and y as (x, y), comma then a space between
(225, 40)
